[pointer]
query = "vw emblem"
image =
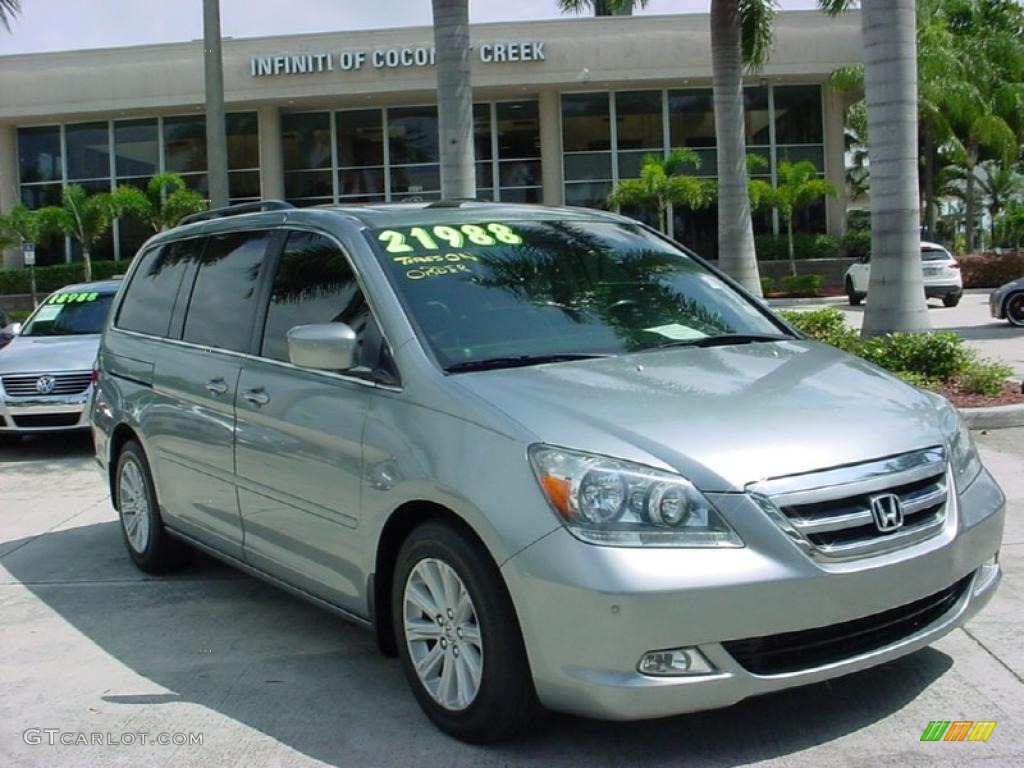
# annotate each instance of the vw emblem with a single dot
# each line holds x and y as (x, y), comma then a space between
(45, 384)
(887, 510)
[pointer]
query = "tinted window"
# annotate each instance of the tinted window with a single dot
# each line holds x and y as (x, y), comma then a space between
(149, 300)
(935, 254)
(220, 312)
(70, 313)
(315, 284)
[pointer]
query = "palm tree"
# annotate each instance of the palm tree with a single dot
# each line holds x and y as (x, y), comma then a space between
(216, 129)
(164, 202)
(82, 216)
(1001, 185)
(454, 99)
(890, 78)
(8, 10)
(660, 185)
(797, 185)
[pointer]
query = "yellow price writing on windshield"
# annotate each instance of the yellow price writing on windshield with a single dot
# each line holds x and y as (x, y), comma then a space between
(69, 298)
(443, 236)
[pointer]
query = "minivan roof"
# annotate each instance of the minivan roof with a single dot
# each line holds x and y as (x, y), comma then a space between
(99, 286)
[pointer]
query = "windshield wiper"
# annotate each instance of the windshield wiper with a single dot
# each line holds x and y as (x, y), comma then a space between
(724, 340)
(515, 361)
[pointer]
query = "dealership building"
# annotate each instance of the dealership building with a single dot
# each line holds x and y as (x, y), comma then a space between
(563, 110)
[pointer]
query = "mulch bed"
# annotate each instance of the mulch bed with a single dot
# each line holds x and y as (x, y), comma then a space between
(1011, 395)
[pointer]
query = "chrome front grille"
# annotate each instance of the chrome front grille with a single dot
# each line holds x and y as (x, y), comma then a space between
(64, 384)
(830, 513)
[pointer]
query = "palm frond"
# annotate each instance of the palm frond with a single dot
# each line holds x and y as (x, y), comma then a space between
(758, 34)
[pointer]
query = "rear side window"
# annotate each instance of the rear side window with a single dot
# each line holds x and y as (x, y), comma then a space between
(223, 303)
(149, 301)
(315, 284)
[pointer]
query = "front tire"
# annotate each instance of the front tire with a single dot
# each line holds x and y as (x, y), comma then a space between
(459, 639)
(151, 548)
(1013, 309)
(951, 299)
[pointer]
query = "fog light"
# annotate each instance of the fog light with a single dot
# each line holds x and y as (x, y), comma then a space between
(674, 662)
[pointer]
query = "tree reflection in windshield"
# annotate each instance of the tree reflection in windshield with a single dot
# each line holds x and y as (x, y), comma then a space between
(557, 287)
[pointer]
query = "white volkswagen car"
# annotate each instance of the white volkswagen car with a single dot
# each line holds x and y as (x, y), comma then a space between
(942, 278)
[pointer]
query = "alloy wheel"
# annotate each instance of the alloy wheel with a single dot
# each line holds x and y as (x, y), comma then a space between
(134, 505)
(442, 634)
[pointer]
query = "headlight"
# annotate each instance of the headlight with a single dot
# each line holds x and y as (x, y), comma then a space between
(618, 503)
(963, 455)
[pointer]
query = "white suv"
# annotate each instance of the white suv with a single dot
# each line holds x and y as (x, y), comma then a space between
(942, 277)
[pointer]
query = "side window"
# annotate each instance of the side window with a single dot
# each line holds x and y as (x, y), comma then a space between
(315, 284)
(223, 303)
(149, 300)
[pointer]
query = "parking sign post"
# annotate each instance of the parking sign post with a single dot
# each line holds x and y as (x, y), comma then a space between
(28, 254)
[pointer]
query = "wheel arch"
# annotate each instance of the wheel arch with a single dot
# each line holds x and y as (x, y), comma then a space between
(402, 521)
(1006, 302)
(122, 434)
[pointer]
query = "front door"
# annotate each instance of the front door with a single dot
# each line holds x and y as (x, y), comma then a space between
(298, 446)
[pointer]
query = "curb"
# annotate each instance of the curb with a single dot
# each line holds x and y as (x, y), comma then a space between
(994, 416)
(805, 302)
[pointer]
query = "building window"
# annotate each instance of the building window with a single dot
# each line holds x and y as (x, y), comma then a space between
(392, 154)
(102, 155)
(606, 135)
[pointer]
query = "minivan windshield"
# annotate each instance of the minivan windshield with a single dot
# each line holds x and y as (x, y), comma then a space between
(70, 314)
(504, 293)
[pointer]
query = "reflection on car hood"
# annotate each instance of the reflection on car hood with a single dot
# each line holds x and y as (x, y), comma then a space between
(723, 417)
(48, 354)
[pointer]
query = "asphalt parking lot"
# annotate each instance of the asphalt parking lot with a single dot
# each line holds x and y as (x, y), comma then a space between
(90, 645)
(970, 319)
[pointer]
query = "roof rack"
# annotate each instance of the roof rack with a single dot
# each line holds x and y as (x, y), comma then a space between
(234, 210)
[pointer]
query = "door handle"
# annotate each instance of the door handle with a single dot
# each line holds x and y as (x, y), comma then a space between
(256, 396)
(216, 386)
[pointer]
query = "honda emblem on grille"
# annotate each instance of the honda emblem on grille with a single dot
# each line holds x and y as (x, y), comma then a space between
(887, 510)
(45, 384)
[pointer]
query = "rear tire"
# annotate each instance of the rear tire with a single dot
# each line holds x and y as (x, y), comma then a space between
(1013, 309)
(951, 299)
(854, 297)
(474, 681)
(151, 548)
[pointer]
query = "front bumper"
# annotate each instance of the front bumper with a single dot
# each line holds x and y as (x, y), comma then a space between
(60, 413)
(589, 613)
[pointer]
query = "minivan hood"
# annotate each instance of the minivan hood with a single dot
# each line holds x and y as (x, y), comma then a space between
(723, 417)
(48, 354)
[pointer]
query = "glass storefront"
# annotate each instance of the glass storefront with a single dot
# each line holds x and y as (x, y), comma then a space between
(101, 155)
(605, 136)
(391, 154)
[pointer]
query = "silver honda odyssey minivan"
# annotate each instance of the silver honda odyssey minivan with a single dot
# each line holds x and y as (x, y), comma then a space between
(552, 459)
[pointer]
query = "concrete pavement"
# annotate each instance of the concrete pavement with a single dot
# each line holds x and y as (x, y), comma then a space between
(89, 644)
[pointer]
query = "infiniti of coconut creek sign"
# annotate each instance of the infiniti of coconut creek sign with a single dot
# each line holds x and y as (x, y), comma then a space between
(387, 58)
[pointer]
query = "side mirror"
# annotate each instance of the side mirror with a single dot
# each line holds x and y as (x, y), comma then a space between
(14, 329)
(330, 346)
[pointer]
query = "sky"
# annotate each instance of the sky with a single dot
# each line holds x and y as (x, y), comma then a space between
(58, 25)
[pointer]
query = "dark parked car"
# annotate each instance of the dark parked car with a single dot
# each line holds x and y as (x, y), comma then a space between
(7, 328)
(1007, 301)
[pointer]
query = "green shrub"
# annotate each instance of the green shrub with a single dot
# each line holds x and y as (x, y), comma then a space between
(856, 243)
(805, 246)
(767, 285)
(991, 270)
(917, 379)
(51, 278)
(803, 285)
(827, 325)
(939, 356)
(984, 377)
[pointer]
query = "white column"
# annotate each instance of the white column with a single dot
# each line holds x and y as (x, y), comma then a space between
(271, 156)
(549, 109)
(9, 196)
